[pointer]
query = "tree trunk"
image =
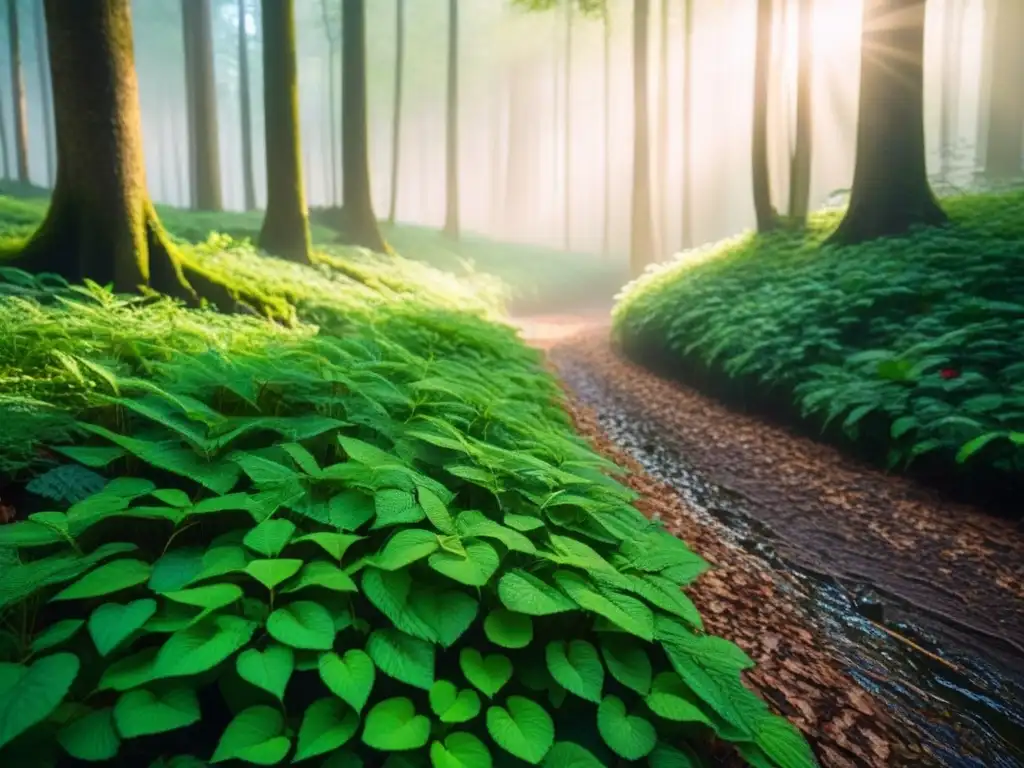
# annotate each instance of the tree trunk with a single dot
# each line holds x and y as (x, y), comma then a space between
(687, 213)
(18, 93)
(360, 222)
(662, 152)
(451, 216)
(180, 177)
(248, 181)
(949, 113)
(766, 216)
(396, 126)
(1005, 140)
(890, 192)
(606, 155)
(567, 234)
(285, 229)
(332, 103)
(800, 167)
(642, 248)
(45, 91)
(202, 106)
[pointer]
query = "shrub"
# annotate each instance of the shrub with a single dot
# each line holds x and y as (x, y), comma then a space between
(906, 346)
(380, 547)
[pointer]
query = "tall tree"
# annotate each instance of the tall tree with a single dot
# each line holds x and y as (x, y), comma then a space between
(396, 123)
(360, 223)
(952, 45)
(331, 32)
(201, 88)
(285, 229)
(567, 136)
(45, 91)
(662, 151)
(451, 215)
(890, 190)
(18, 93)
(765, 213)
(642, 247)
(687, 148)
(245, 105)
(607, 146)
(1004, 142)
(800, 165)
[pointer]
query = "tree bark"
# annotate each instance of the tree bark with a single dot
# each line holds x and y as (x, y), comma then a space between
(642, 248)
(890, 192)
(765, 213)
(248, 180)
(567, 137)
(1005, 140)
(332, 103)
(396, 126)
(800, 167)
(451, 216)
(285, 229)
(687, 148)
(45, 91)
(202, 106)
(606, 162)
(18, 93)
(360, 223)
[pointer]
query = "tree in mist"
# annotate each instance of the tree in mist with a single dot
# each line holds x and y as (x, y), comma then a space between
(952, 52)
(687, 148)
(451, 195)
(396, 124)
(606, 124)
(45, 94)
(245, 108)
(890, 192)
(359, 223)
(800, 163)
(663, 106)
(642, 248)
(18, 93)
(331, 25)
(285, 229)
(1004, 135)
(767, 218)
(201, 95)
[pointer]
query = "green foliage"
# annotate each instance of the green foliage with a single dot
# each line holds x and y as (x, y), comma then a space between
(905, 346)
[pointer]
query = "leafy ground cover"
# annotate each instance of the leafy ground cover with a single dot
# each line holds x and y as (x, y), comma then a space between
(363, 535)
(906, 349)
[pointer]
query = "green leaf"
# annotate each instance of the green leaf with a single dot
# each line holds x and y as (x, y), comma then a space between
(269, 670)
(405, 547)
(523, 592)
(270, 537)
(566, 754)
(628, 663)
(629, 736)
(202, 646)
(334, 544)
(303, 624)
(395, 507)
(271, 573)
(474, 569)
(349, 677)
(55, 634)
(665, 756)
(91, 737)
(625, 612)
(435, 510)
(489, 674)
(391, 592)
(143, 713)
(209, 597)
(671, 699)
(475, 523)
(524, 730)
(451, 612)
(327, 725)
(28, 694)
(460, 750)
(452, 705)
(111, 624)
(393, 726)
(320, 573)
(783, 743)
(109, 577)
(523, 523)
(508, 629)
(175, 569)
(256, 735)
(403, 657)
(576, 666)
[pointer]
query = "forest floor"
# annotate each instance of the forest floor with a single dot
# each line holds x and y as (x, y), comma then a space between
(904, 613)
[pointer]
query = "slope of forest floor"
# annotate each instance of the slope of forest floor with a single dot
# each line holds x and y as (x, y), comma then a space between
(907, 351)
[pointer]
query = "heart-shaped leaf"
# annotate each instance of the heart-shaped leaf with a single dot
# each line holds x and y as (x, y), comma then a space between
(55, 634)
(29, 694)
(256, 735)
(576, 667)
(349, 677)
(269, 670)
(628, 662)
(629, 736)
(403, 657)
(393, 726)
(320, 573)
(111, 624)
(523, 592)
(334, 544)
(566, 754)
(460, 750)
(270, 573)
(270, 537)
(508, 629)
(108, 578)
(404, 548)
(672, 699)
(452, 705)
(474, 569)
(142, 712)
(303, 624)
(488, 674)
(327, 725)
(91, 737)
(209, 597)
(524, 730)
(197, 648)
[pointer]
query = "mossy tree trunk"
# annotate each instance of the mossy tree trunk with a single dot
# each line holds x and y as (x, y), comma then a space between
(451, 215)
(18, 93)
(396, 124)
(1004, 143)
(763, 209)
(202, 104)
(46, 94)
(642, 248)
(890, 192)
(359, 223)
(687, 148)
(285, 229)
(800, 166)
(245, 105)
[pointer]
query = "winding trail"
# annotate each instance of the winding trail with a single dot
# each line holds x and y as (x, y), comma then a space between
(887, 623)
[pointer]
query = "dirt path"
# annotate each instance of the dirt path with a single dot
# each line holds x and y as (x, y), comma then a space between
(954, 574)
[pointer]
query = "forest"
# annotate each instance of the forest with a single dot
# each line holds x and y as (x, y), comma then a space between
(472, 383)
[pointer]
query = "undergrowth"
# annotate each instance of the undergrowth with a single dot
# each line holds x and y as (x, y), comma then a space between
(375, 541)
(905, 347)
